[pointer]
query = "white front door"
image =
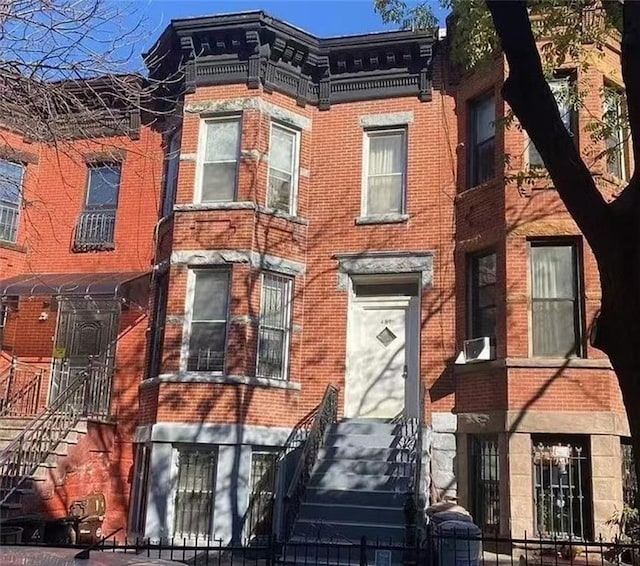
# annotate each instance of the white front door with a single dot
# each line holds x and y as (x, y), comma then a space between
(380, 356)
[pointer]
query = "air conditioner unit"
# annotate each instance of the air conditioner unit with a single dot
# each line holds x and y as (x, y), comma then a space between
(478, 350)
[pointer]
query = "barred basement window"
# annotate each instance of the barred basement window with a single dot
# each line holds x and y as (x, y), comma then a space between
(275, 326)
(208, 320)
(259, 514)
(485, 487)
(195, 492)
(629, 478)
(562, 500)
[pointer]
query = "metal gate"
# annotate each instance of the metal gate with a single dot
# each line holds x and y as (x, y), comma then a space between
(85, 341)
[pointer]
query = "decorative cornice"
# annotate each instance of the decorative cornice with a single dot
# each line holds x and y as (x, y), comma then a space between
(255, 49)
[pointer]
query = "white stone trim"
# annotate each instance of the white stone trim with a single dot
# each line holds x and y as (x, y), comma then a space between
(385, 120)
(222, 257)
(211, 377)
(206, 108)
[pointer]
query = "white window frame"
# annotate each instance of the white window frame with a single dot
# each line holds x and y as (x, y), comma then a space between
(188, 318)
(365, 169)
(202, 141)
(572, 115)
(622, 143)
(287, 331)
(18, 205)
(295, 173)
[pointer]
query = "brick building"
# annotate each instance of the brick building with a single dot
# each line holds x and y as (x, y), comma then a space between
(339, 212)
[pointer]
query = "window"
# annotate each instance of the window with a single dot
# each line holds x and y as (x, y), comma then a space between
(554, 296)
(138, 511)
(96, 225)
(283, 169)
(11, 176)
(219, 149)
(275, 326)
(616, 142)
(629, 479)
(195, 492)
(482, 150)
(482, 316)
(172, 166)
(259, 516)
(561, 90)
(485, 482)
(562, 495)
(385, 166)
(157, 332)
(208, 325)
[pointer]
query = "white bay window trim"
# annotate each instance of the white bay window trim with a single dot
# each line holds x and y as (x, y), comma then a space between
(222, 159)
(188, 359)
(274, 331)
(390, 166)
(282, 181)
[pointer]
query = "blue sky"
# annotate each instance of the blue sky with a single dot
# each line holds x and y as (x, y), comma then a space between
(319, 17)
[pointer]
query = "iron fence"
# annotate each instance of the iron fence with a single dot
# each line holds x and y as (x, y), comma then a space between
(20, 389)
(452, 550)
(95, 230)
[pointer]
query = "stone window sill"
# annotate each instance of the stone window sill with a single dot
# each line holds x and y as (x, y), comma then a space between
(239, 205)
(13, 247)
(382, 219)
(551, 363)
(209, 377)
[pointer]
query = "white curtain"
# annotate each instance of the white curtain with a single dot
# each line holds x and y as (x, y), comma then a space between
(386, 173)
(553, 292)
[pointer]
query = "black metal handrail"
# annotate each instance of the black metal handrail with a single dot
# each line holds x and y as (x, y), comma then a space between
(21, 386)
(95, 229)
(325, 415)
(21, 458)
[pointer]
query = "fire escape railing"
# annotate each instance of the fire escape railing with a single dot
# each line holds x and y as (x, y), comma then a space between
(325, 414)
(20, 388)
(95, 230)
(83, 398)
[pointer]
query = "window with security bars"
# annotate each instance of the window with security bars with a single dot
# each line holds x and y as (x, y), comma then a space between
(275, 326)
(562, 496)
(562, 92)
(218, 159)
(208, 320)
(555, 307)
(259, 514)
(97, 222)
(195, 492)
(283, 169)
(11, 177)
(485, 482)
(482, 160)
(385, 162)
(482, 315)
(629, 478)
(138, 510)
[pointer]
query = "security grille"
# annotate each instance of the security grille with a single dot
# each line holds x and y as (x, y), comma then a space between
(561, 489)
(629, 478)
(195, 492)
(486, 483)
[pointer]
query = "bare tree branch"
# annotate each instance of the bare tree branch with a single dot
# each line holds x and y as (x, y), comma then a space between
(527, 92)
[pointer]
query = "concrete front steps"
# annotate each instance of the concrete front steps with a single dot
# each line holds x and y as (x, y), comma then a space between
(357, 488)
(10, 428)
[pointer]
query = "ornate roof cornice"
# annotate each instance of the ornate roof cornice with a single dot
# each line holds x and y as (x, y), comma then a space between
(256, 49)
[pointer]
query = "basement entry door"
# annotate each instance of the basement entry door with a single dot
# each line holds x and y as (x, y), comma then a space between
(381, 368)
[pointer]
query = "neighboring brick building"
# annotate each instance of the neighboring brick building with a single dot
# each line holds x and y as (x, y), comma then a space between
(338, 212)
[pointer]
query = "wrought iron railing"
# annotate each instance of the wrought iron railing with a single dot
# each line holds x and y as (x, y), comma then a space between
(95, 230)
(9, 222)
(22, 457)
(322, 417)
(20, 387)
